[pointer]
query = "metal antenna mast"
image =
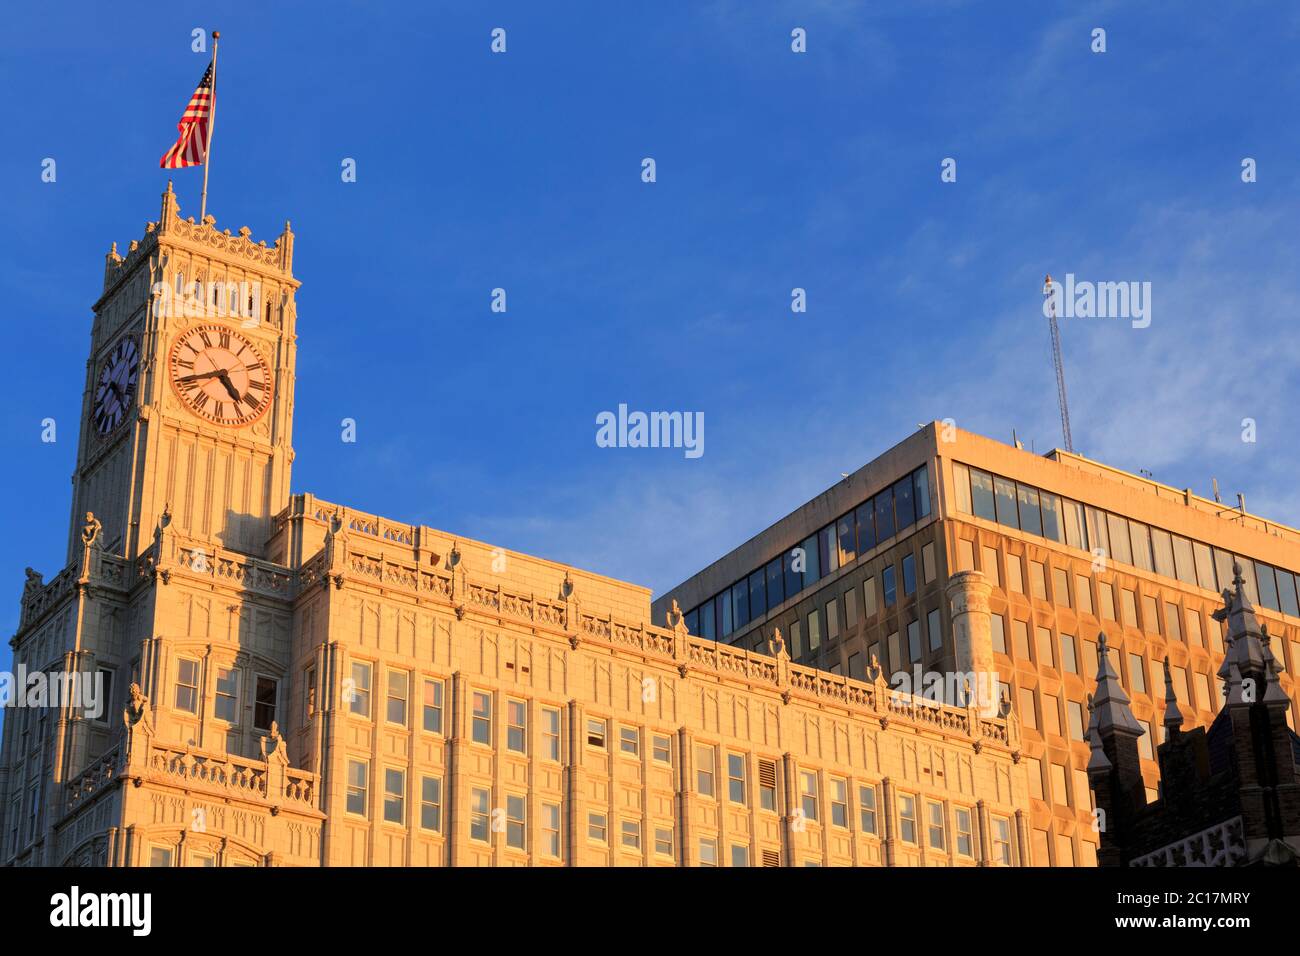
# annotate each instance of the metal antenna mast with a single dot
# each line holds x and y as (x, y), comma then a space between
(1061, 400)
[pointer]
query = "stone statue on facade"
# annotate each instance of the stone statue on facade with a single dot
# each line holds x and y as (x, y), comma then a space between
(90, 532)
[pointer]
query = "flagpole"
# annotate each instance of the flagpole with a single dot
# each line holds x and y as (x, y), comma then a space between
(212, 125)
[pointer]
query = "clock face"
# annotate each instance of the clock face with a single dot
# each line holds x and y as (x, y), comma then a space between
(220, 375)
(115, 387)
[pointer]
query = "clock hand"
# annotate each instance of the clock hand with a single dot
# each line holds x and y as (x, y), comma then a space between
(225, 380)
(198, 375)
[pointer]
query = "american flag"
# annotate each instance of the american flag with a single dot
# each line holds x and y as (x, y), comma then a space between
(192, 146)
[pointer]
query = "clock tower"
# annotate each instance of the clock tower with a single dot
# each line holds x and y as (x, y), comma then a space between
(188, 405)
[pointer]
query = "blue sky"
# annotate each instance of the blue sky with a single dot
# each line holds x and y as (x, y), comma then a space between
(775, 170)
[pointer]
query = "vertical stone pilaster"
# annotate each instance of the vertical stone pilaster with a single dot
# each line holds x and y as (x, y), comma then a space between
(968, 599)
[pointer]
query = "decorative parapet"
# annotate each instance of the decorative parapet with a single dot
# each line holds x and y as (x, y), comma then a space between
(92, 781)
(258, 255)
(229, 567)
(229, 776)
(1223, 844)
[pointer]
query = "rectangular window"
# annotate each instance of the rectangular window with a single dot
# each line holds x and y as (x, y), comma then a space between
(767, 785)
(884, 514)
(927, 562)
(708, 851)
(775, 583)
(1034, 770)
(264, 702)
(832, 619)
(431, 803)
(399, 683)
(1140, 535)
(482, 718)
(1083, 594)
(1015, 576)
(981, 490)
(891, 589)
(394, 795)
(869, 598)
(965, 555)
(598, 827)
(850, 610)
(867, 808)
(160, 856)
(736, 789)
(1028, 712)
(1195, 636)
(1069, 663)
(907, 818)
(1020, 639)
(1043, 638)
(909, 574)
(914, 640)
(1005, 493)
(989, 565)
(757, 595)
(187, 685)
(705, 758)
(227, 704)
(516, 821)
(739, 855)
(865, 518)
(1051, 714)
(433, 690)
(517, 726)
(1173, 619)
(933, 631)
(1128, 607)
(480, 815)
(961, 487)
(839, 791)
(904, 505)
(828, 551)
(1031, 519)
(793, 573)
(1051, 517)
(962, 825)
(661, 749)
(1002, 841)
(631, 834)
(1060, 790)
(1121, 549)
(1074, 712)
(1150, 615)
(812, 566)
(309, 692)
(998, 627)
(708, 623)
(814, 630)
(921, 492)
(1205, 576)
(358, 785)
(629, 741)
(808, 795)
(360, 690)
(1137, 674)
(551, 830)
(664, 841)
(1037, 580)
(740, 604)
(551, 733)
(596, 730)
(1106, 600)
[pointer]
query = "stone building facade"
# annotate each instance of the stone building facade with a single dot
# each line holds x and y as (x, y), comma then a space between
(287, 681)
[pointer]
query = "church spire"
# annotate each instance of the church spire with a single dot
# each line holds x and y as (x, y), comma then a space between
(1111, 704)
(1173, 716)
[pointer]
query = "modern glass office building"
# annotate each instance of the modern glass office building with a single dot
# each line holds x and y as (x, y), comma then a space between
(1070, 548)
